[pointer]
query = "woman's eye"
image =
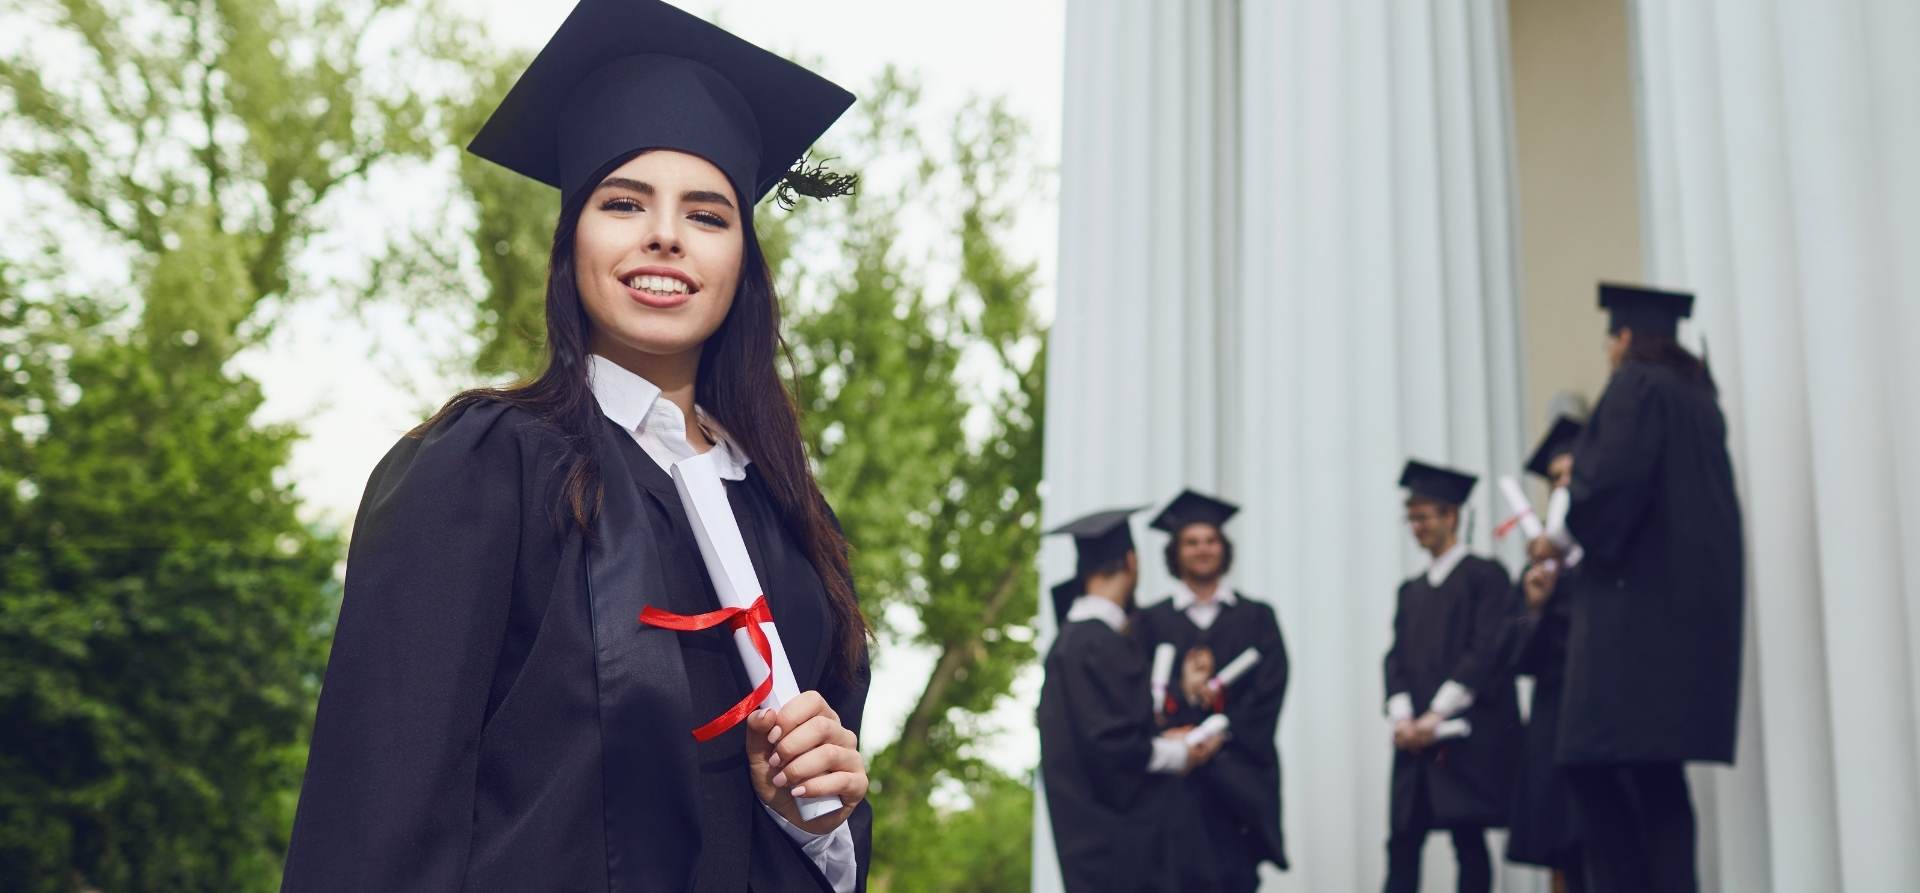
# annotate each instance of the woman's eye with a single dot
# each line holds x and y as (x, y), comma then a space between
(709, 218)
(622, 205)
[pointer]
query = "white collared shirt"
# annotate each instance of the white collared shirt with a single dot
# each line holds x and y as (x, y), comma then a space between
(1202, 613)
(658, 425)
(1442, 567)
(1168, 755)
(660, 428)
(1093, 607)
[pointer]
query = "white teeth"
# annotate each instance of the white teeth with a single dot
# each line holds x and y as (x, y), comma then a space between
(666, 285)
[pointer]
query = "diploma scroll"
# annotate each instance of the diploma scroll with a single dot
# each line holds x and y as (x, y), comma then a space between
(1523, 513)
(1210, 728)
(1162, 675)
(1234, 669)
(1522, 509)
(704, 496)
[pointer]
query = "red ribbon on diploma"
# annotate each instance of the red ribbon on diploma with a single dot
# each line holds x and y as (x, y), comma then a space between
(1505, 527)
(748, 618)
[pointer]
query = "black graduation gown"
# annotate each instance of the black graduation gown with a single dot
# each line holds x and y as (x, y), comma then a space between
(1653, 650)
(1541, 824)
(1454, 632)
(1236, 795)
(494, 716)
(1109, 814)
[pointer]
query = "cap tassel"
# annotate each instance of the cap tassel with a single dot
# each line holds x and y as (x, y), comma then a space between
(814, 181)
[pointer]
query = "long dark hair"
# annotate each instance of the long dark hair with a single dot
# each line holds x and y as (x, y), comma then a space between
(1662, 349)
(737, 383)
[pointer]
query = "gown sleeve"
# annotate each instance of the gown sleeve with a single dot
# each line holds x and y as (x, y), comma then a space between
(1115, 722)
(388, 799)
(1398, 685)
(1614, 464)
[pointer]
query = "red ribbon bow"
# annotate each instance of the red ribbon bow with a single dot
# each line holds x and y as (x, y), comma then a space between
(748, 618)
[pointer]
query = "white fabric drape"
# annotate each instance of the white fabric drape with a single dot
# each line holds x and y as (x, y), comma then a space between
(1287, 264)
(1779, 144)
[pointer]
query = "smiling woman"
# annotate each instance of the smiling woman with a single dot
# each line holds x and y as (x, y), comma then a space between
(528, 636)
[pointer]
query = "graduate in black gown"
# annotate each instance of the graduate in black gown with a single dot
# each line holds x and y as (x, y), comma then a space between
(1110, 775)
(1455, 719)
(495, 714)
(1542, 830)
(1235, 798)
(1653, 649)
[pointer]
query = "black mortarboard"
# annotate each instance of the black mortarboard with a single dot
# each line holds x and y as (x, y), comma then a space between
(1436, 483)
(1191, 507)
(1098, 539)
(625, 75)
(1644, 309)
(1559, 440)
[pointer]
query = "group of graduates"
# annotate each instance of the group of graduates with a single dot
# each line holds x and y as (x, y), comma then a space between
(1627, 617)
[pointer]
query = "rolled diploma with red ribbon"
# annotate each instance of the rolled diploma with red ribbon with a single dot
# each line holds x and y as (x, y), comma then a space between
(1208, 729)
(1234, 669)
(1162, 675)
(724, 552)
(1522, 509)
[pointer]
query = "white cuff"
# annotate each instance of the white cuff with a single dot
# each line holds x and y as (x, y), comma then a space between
(1451, 729)
(832, 851)
(1452, 699)
(1400, 707)
(1169, 757)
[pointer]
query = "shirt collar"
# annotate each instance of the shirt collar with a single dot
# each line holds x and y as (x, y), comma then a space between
(1093, 607)
(1184, 597)
(634, 403)
(1442, 567)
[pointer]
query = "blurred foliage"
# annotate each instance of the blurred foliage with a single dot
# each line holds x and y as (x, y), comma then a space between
(164, 611)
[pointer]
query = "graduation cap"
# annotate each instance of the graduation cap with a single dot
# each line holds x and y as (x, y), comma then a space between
(621, 76)
(1559, 440)
(1644, 309)
(1193, 507)
(1436, 483)
(1099, 538)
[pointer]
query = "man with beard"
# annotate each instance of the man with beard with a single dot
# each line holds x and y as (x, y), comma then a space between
(1210, 626)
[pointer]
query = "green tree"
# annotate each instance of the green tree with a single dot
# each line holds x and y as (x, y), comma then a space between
(924, 406)
(164, 610)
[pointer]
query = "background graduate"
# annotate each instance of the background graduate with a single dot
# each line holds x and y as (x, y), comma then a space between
(1109, 773)
(1653, 651)
(495, 715)
(1541, 826)
(1236, 797)
(1456, 722)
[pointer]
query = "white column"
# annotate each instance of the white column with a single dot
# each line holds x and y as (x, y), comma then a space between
(1148, 200)
(1779, 141)
(1378, 295)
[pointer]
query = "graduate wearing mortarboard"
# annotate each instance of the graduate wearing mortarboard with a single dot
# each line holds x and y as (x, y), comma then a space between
(1235, 797)
(1456, 723)
(1542, 830)
(1109, 773)
(521, 694)
(1653, 648)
